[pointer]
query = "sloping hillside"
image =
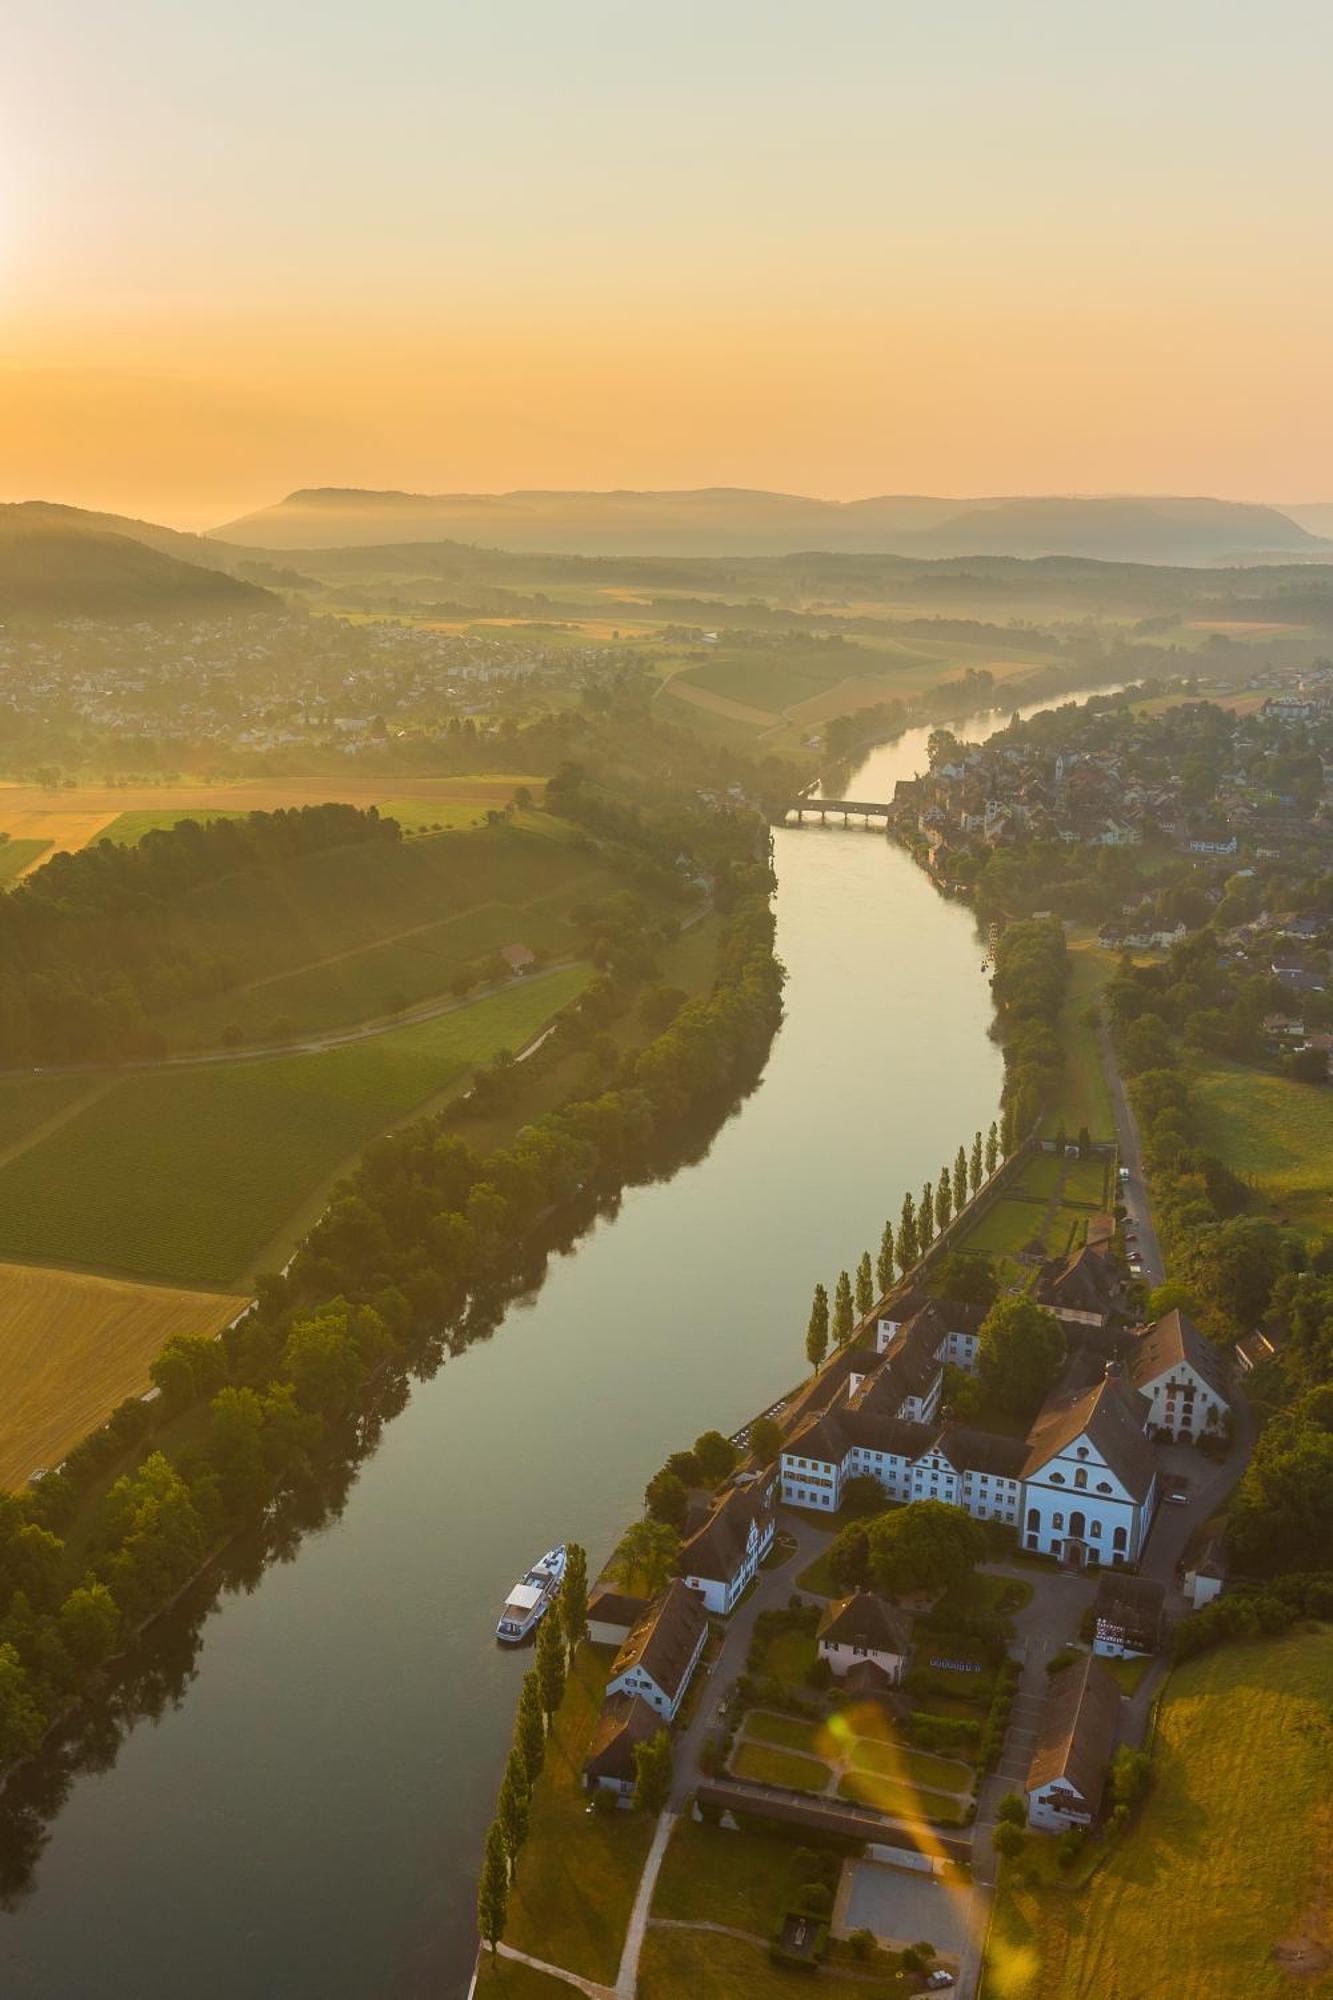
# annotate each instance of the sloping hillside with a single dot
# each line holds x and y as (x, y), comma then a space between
(723, 520)
(50, 570)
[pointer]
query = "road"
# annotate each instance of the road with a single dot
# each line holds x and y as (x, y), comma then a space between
(1133, 1190)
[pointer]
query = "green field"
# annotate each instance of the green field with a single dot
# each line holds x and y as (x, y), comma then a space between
(16, 856)
(189, 1173)
(1271, 1131)
(28, 1101)
(1084, 1097)
(790, 1732)
(890, 1760)
(764, 1765)
(1227, 1864)
(899, 1796)
(129, 828)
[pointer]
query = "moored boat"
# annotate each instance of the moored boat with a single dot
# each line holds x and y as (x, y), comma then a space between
(531, 1598)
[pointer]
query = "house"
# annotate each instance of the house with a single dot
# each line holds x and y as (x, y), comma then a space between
(612, 1615)
(722, 1557)
(1127, 1614)
(1083, 1288)
(626, 1721)
(1075, 1738)
(864, 1630)
(1183, 1377)
(660, 1655)
(1205, 1577)
(1256, 1348)
(1090, 1477)
(518, 957)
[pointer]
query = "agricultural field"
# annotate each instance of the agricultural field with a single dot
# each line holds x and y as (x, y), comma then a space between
(1223, 1886)
(17, 857)
(190, 1173)
(1084, 1097)
(1274, 1133)
(73, 1346)
(127, 829)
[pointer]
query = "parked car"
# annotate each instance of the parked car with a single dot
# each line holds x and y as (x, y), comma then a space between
(940, 1978)
(1177, 1492)
(1124, 1173)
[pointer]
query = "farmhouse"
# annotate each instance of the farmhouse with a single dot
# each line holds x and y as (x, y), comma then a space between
(1083, 1288)
(1127, 1613)
(864, 1631)
(658, 1659)
(1182, 1376)
(626, 1721)
(724, 1555)
(1075, 1738)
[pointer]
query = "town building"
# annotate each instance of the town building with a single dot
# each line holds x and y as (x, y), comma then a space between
(1206, 1576)
(1084, 1288)
(612, 1615)
(1090, 1478)
(626, 1721)
(658, 1659)
(1127, 1616)
(1183, 1377)
(864, 1631)
(1075, 1738)
(721, 1559)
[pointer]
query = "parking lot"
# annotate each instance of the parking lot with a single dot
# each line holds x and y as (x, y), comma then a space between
(904, 1907)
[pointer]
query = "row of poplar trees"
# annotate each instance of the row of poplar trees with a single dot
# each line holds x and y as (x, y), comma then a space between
(919, 1223)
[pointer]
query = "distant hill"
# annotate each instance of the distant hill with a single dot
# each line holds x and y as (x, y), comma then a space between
(1314, 515)
(734, 520)
(51, 568)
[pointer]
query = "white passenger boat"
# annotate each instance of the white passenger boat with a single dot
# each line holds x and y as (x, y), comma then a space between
(531, 1598)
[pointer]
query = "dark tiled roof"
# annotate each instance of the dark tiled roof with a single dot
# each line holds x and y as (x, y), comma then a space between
(1077, 1731)
(625, 1720)
(1133, 1604)
(1170, 1341)
(819, 1436)
(983, 1451)
(663, 1642)
(615, 1607)
(1085, 1282)
(717, 1550)
(865, 1619)
(1112, 1418)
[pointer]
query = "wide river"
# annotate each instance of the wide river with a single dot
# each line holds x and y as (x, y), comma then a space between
(307, 1822)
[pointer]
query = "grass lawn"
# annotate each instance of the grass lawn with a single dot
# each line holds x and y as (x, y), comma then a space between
(789, 1657)
(790, 1732)
(74, 1347)
(189, 1174)
(129, 828)
(1084, 1097)
(764, 1765)
(570, 1905)
(28, 1101)
(817, 1579)
(979, 1592)
(694, 1965)
(1273, 1131)
(1235, 1829)
(1128, 1675)
(712, 1875)
(1005, 1229)
(901, 1797)
(919, 1767)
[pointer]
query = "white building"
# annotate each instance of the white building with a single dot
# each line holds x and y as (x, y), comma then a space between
(1127, 1615)
(1183, 1377)
(1075, 1738)
(658, 1660)
(722, 1558)
(1090, 1478)
(862, 1631)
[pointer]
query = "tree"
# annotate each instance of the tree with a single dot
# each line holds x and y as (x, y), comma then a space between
(884, 1262)
(843, 1320)
(944, 1200)
(717, 1456)
(573, 1599)
(530, 1727)
(1012, 1809)
(1007, 1839)
(1020, 1352)
(816, 1333)
(667, 1499)
(960, 1180)
(925, 1217)
(551, 1665)
(646, 1556)
(765, 1440)
(967, 1276)
(992, 1148)
(493, 1888)
(908, 1247)
(89, 1623)
(1131, 1774)
(653, 1773)
(22, 1723)
(927, 1545)
(511, 1810)
(1309, 1066)
(865, 1286)
(975, 1166)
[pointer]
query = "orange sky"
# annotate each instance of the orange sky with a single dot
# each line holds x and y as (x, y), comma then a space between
(871, 249)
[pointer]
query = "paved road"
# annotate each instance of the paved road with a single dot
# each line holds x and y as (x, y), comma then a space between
(1134, 1190)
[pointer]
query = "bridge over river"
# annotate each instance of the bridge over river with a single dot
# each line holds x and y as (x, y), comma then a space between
(846, 809)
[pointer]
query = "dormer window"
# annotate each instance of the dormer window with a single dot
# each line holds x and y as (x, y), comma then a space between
(1103, 1485)
(1082, 1451)
(1057, 1479)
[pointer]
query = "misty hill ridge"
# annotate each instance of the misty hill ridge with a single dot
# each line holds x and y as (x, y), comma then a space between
(53, 566)
(729, 520)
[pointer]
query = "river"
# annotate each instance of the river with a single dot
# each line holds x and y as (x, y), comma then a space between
(307, 1820)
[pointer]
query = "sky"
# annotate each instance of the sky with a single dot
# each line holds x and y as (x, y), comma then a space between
(953, 246)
